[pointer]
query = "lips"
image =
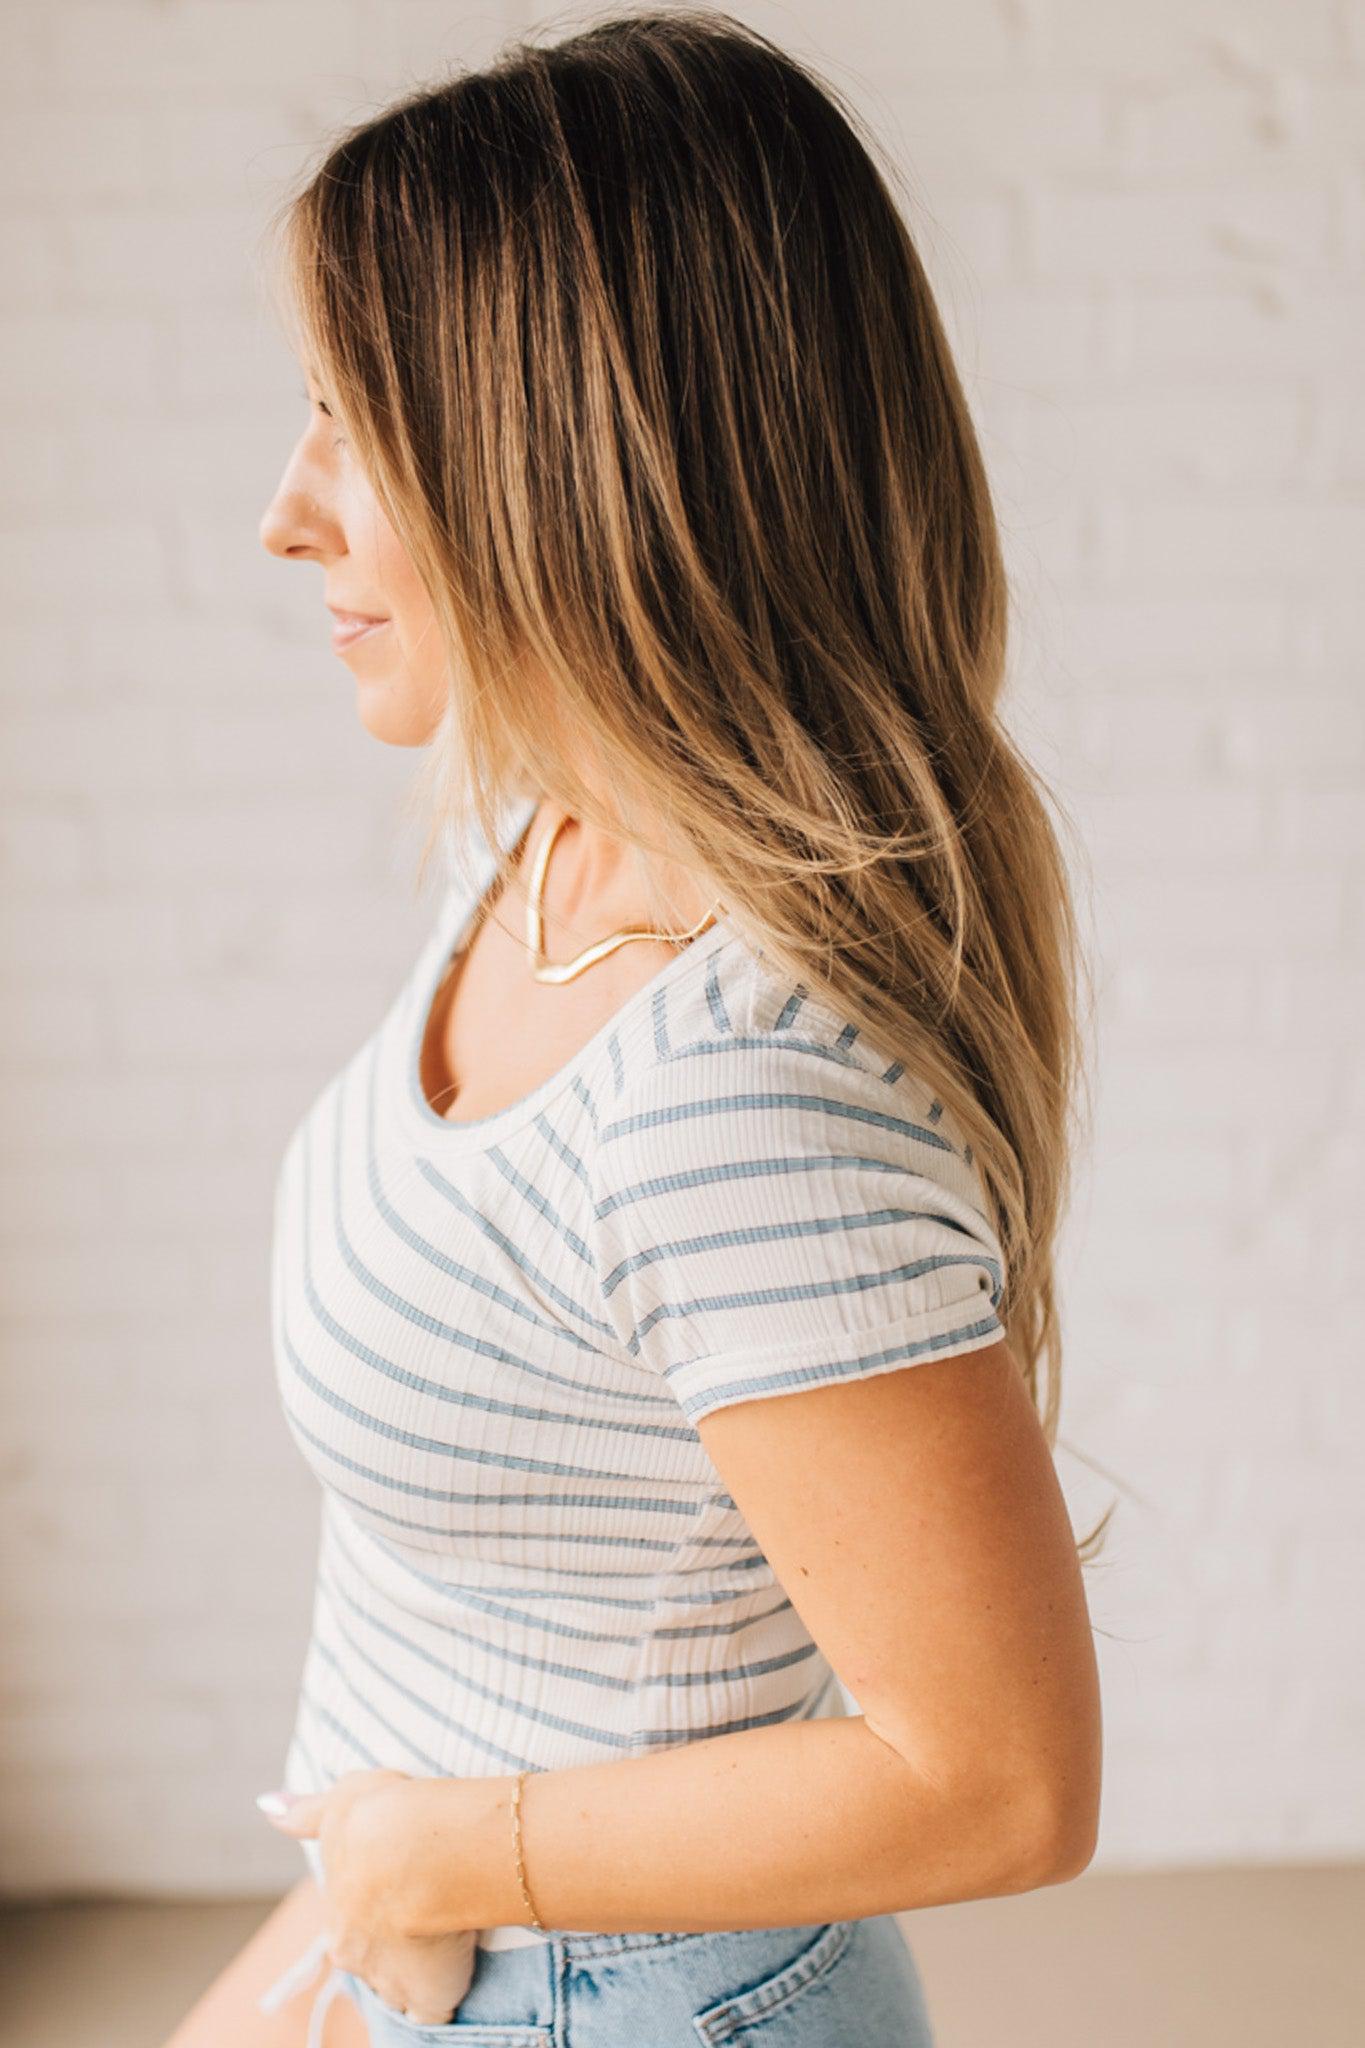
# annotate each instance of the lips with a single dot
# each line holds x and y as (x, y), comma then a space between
(348, 635)
(353, 626)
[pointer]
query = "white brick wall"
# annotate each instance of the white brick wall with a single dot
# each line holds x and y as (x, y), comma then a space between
(1147, 229)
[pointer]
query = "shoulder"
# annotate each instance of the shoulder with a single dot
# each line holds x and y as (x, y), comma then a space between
(737, 1065)
(771, 1193)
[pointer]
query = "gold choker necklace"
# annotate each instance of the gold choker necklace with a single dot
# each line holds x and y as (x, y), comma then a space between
(541, 968)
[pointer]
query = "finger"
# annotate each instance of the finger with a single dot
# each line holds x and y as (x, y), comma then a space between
(438, 1974)
(410, 2003)
(302, 1816)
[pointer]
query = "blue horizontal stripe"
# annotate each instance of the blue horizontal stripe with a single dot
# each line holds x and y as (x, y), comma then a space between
(738, 1170)
(810, 1290)
(811, 1375)
(726, 1105)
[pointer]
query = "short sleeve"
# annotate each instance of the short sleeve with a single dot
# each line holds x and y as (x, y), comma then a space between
(774, 1212)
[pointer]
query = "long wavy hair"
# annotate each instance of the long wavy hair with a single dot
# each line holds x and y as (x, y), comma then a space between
(634, 344)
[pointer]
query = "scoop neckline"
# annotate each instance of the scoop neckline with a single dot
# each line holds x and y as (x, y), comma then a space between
(448, 941)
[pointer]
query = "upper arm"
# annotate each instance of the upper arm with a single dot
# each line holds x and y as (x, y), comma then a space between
(791, 1235)
(915, 1521)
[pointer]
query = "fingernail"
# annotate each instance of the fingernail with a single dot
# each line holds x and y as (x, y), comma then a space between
(277, 1802)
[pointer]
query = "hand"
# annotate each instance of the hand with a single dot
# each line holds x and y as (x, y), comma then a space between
(365, 1824)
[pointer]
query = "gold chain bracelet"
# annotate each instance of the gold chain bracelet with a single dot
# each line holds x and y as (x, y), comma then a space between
(516, 1837)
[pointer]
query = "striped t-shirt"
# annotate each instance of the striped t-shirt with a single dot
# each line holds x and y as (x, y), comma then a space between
(494, 1339)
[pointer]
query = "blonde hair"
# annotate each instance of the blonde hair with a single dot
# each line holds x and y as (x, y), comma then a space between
(637, 349)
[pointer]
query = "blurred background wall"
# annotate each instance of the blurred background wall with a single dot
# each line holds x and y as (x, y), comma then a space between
(1146, 226)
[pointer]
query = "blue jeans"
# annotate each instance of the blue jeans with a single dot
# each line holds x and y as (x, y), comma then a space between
(846, 1984)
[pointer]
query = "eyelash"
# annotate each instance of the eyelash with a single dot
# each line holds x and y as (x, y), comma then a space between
(340, 441)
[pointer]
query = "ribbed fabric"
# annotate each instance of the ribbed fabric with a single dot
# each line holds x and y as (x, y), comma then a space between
(493, 1342)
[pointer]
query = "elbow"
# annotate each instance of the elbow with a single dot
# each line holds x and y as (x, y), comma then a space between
(1060, 1839)
(1067, 1853)
(1030, 1826)
(1059, 1805)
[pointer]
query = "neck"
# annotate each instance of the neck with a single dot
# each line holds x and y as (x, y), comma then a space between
(594, 879)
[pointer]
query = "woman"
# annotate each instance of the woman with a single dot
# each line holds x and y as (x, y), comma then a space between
(734, 1078)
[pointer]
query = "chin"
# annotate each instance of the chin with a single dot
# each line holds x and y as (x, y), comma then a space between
(389, 718)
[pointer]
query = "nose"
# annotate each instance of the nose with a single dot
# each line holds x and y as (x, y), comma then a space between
(271, 533)
(295, 525)
(284, 533)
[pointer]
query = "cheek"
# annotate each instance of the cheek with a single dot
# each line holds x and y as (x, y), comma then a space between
(403, 592)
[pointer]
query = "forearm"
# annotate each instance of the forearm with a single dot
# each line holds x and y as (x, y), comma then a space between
(788, 1825)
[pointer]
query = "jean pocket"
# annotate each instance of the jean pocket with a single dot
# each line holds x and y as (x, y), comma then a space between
(779, 2010)
(390, 2029)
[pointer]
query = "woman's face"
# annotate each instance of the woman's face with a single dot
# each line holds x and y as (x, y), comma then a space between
(324, 511)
